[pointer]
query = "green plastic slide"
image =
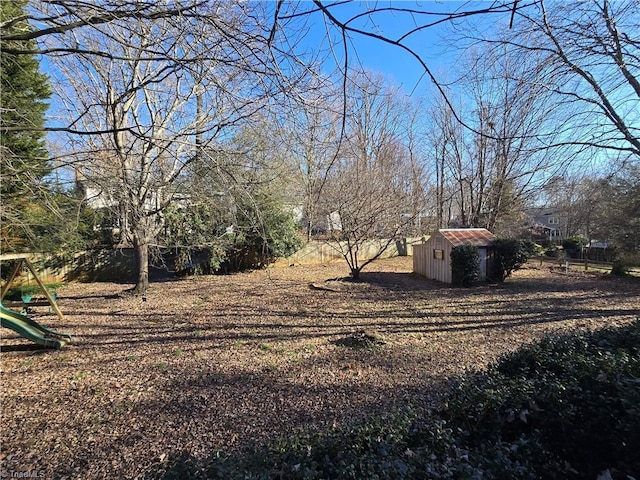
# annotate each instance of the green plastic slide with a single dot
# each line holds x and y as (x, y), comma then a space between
(29, 328)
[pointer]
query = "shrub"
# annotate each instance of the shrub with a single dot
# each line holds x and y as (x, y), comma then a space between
(573, 246)
(256, 239)
(257, 245)
(619, 268)
(510, 255)
(465, 265)
(553, 252)
(573, 397)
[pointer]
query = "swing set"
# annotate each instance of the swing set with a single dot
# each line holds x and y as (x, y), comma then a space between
(20, 322)
(21, 262)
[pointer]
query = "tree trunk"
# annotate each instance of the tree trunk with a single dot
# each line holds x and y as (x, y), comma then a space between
(440, 192)
(355, 273)
(142, 263)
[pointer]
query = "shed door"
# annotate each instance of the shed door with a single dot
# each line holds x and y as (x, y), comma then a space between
(482, 254)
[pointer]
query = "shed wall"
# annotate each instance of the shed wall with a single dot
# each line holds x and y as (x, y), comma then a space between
(425, 261)
(419, 260)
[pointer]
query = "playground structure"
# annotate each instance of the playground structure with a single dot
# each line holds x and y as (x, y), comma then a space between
(22, 323)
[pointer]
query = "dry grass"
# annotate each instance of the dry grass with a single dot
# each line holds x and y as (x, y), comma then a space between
(216, 363)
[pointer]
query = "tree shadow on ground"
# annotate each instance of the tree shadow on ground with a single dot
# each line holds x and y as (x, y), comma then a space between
(29, 347)
(414, 282)
(391, 281)
(267, 391)
(168, 386)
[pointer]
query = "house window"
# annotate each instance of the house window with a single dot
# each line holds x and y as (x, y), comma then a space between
(554, 221)
(438, 254)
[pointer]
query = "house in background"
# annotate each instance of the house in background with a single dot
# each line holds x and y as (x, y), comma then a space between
(116, 214)
(547, 224)
(433, 258)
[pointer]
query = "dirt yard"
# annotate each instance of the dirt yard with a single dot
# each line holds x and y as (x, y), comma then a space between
(215, 363)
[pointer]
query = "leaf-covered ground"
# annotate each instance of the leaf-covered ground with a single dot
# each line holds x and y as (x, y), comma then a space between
(218, 363)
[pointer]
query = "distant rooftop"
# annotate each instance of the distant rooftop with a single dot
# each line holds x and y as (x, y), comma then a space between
(479, 237)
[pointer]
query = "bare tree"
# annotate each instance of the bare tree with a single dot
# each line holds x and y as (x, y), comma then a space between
(252, 39)
(146, 119)
(314, 136)
(487, 172)
(511, 161)
(57, 19)
(373, 194)
(586, 54)
(446, 140)
(345, 25)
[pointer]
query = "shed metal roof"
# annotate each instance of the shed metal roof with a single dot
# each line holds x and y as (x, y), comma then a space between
(480, 237)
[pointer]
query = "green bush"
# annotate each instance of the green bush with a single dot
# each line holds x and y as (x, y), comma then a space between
(255, 246)
(553, 252)
(465, 265)
(573, 399)
(257, 238)
(510, 255)
(573, 246)
(619, 268)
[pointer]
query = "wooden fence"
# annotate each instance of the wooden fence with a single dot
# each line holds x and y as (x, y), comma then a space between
(318, 251)
(119, 265)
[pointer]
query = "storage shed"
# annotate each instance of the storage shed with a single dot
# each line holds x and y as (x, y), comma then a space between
(433, 258)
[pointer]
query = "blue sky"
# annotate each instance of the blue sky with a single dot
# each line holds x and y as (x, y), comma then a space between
(432, 44)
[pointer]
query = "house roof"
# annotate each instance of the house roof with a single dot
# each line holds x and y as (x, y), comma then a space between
(480, 237)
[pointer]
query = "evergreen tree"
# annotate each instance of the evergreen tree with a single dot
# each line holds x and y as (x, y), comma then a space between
(23, 94)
